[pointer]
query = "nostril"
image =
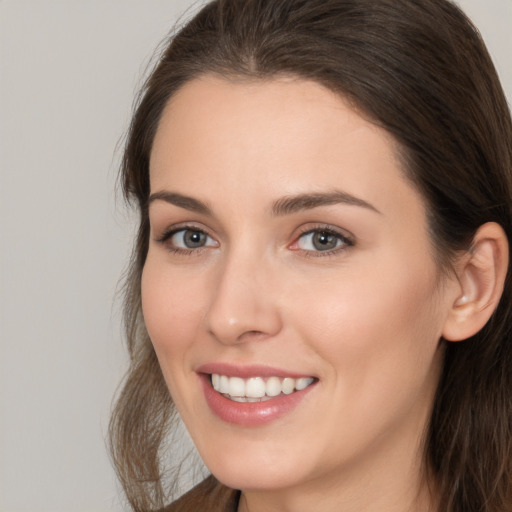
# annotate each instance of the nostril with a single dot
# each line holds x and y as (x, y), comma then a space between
(249, 325)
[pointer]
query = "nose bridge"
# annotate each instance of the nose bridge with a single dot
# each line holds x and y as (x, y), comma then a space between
(243, 302)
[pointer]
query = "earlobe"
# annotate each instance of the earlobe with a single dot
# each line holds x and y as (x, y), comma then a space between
(481, 275)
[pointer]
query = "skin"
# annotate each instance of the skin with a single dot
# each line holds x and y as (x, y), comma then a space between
(365, 318)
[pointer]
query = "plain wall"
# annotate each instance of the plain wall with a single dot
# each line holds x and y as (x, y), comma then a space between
(69, 71)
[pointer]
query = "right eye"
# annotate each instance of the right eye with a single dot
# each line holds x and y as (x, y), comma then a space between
(186, 239)
(189, 239)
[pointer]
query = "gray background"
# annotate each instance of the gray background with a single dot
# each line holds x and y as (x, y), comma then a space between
(69, 71)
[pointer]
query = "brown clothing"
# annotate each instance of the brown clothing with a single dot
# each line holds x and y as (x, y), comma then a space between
(208, 496)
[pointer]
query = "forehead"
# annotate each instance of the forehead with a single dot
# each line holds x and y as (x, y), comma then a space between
(291, 105)
(283, 136)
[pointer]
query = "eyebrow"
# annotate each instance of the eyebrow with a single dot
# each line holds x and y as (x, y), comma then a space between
(294, 204)
(283, 206)
(186, 202)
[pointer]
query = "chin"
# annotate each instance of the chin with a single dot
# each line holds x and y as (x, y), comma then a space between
(258, 468)
(254, 477)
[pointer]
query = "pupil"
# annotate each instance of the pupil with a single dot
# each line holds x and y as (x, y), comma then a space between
(324, 241)
(194, 239)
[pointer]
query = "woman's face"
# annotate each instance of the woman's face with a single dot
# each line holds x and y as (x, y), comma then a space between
(289, 257)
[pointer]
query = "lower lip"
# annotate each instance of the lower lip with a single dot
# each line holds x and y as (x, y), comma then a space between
(250, 414)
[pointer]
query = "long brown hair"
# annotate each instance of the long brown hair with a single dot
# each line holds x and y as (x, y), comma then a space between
(419, 69)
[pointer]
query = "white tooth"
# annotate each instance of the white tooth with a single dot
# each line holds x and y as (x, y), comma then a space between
(303, 383)
(224, 384)
(288, 385)
(273, 387)
(255, 387)
(237, 398)
(216, 381)
(236, 386)
(252, 400)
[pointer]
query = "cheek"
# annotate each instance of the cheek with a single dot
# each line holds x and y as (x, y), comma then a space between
(378, 330)
(172, 310)
(378, 338)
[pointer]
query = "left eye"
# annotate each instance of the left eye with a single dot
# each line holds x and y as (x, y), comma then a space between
(321, 240)
(191, 239)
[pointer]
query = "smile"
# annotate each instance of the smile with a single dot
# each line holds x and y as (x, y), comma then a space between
(253, 395)
(257, 389)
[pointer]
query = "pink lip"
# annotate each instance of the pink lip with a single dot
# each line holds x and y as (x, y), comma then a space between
(249, 414)
(247, 371)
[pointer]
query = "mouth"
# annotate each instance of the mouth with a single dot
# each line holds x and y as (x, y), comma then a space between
(254, 395)
(257, 389)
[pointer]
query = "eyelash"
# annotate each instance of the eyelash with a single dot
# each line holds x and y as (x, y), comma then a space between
(346, 241)
(167, 235)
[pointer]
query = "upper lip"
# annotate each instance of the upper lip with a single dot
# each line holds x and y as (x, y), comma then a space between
(247, 371)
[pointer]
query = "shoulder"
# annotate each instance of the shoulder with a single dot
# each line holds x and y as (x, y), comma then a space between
(208, 496)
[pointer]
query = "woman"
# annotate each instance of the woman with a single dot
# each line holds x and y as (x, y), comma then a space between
(320, 279)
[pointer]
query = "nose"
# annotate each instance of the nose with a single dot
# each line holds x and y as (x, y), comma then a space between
(244, 305)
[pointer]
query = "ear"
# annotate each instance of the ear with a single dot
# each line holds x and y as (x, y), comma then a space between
(481, 275)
